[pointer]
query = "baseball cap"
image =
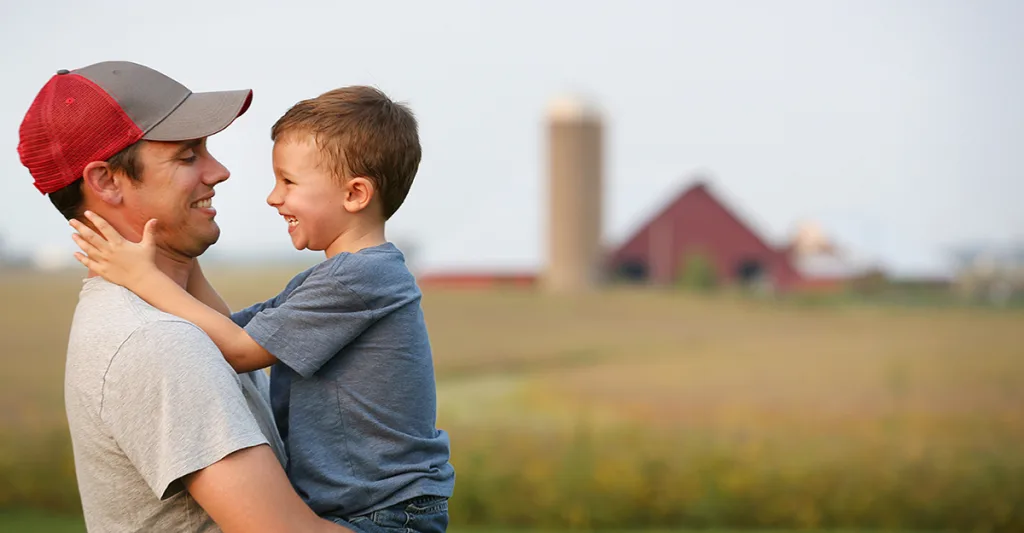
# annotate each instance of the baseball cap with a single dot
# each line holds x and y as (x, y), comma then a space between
(90, 114)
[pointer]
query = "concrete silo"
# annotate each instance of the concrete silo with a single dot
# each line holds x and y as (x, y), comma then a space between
(575, 180)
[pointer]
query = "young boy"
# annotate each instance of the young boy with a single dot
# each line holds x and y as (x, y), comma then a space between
(352, 383)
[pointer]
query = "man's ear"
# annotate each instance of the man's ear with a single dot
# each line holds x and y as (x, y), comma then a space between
(359, 192)
(100, 180)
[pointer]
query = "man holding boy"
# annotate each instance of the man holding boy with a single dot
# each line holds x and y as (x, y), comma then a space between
(166, 436)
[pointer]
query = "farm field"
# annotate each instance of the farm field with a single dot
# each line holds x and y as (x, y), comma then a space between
(639, 409)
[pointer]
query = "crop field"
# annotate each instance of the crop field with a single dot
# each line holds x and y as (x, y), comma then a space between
(636, 409)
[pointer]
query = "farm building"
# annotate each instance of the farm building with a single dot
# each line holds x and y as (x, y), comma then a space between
(992, 274)
(698, 228)
(694, 227)
(695, 231)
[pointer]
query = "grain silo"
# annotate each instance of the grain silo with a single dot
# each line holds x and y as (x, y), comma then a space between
(575, 168)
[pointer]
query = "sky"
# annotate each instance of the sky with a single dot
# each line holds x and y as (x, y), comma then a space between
(896, 125)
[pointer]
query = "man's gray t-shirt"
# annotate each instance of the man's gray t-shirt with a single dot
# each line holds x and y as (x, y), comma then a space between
(354, 395)
(150, 399)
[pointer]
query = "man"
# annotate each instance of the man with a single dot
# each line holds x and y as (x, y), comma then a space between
(159, 421)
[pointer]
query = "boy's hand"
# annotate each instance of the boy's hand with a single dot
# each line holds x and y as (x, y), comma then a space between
(118, 260)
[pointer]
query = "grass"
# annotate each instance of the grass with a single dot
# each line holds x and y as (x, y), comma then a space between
(649, 409)
(31, 521)
(37, 522)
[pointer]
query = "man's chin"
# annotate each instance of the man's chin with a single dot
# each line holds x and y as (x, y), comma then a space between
(200, 246)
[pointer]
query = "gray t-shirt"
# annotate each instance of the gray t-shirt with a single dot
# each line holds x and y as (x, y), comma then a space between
(354, 395)
(149, 399)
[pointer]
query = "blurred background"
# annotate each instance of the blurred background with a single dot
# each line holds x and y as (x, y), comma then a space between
(686, 265)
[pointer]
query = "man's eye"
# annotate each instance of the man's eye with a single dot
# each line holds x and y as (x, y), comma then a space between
(190, 159)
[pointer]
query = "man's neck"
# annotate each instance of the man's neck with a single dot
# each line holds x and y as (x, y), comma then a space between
(175, 267)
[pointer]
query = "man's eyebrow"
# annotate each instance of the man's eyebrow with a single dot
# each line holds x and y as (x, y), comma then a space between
(186, 146)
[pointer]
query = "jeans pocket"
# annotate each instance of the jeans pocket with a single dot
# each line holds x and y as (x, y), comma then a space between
(427, 514)
(427, 505)
(384, 521)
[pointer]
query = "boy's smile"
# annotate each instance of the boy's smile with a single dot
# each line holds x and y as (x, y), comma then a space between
(292, 222)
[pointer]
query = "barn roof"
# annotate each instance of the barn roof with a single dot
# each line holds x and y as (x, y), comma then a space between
(699, 184)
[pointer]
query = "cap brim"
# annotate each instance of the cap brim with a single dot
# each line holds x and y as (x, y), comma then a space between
(201, 115)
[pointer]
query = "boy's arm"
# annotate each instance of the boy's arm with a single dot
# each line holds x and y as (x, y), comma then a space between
(133, 266)
(332, 306)
(199, 287)
(240, 350)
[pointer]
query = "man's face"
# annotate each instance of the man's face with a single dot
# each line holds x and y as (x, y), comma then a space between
(176, 188)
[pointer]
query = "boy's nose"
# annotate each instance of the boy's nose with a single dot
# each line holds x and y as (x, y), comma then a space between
(273, 198)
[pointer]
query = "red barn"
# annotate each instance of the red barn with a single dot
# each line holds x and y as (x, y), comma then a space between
(698, 223)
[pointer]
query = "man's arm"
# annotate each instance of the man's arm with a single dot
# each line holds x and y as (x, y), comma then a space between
(247, 491)
(200, 288)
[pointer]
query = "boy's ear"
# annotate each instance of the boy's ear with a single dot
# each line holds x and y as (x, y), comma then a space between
(359, 192)
(101, 181)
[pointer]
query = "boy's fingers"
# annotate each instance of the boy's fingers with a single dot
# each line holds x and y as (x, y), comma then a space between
(86, 232)
(84, 260)
(107, 230)
(86, 247)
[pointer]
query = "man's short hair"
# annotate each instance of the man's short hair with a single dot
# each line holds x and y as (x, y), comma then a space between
(69, 199)
(359, 131)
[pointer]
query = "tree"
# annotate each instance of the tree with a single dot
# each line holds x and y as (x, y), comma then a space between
(697, 272)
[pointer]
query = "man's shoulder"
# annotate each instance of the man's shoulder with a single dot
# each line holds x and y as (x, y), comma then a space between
(105, 305)
(163, 333)
(116, 336)
(108, 315)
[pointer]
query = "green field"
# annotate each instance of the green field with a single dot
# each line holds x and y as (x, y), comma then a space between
(641, 409)
(35, 522)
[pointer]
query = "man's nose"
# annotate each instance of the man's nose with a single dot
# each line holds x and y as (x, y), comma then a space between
(216, 172)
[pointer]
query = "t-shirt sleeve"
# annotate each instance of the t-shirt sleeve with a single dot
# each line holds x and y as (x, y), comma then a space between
(319, 318)
(174, 405)
(242, 318)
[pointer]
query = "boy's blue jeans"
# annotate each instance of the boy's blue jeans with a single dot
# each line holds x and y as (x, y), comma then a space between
(426, 514)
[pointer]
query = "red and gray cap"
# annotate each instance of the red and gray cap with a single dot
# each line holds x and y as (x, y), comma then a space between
(94, 112)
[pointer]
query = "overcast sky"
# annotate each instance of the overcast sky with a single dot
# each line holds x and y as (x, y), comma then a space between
(899, 125)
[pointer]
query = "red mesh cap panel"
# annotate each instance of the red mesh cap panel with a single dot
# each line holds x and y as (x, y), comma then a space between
(71, 123)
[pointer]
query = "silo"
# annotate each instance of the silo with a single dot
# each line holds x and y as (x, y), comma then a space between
(575, 168)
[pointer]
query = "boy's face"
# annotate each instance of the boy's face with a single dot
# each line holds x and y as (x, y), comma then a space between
(309, 198)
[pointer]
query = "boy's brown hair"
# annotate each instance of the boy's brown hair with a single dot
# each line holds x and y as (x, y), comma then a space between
(360, 132)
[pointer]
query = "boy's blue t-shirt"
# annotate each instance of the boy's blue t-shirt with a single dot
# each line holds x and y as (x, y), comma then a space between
(354, 393)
